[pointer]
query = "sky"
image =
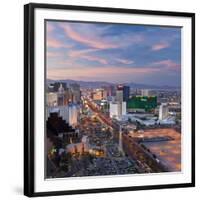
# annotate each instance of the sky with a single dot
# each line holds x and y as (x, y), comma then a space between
(116, 53)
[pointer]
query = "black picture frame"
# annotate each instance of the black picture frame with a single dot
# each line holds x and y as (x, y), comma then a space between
(29, 94)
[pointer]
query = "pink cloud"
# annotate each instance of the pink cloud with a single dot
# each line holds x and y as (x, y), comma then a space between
(92, 41)
(95, 58)
(169, 64)
(125, 61)
(98, 72)
(50, 28)
(54, 43)
(52, 54)
(160, 46)
(87, 54)
(76, 54)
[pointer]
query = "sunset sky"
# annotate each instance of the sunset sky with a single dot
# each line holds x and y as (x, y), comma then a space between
(114, 53)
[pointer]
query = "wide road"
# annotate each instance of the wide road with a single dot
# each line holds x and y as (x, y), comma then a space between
(146, 158)
(105, 119)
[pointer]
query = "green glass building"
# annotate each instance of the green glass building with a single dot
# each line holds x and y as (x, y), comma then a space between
(142, 102)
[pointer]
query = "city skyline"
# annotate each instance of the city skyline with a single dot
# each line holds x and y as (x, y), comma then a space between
(111, 130)
(113, 53)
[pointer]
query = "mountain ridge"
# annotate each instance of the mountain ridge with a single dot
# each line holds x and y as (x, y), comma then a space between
(97, 84)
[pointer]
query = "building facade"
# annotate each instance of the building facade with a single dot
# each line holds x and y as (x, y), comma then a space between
(117, 109)
(163, 111)
(142, 103)
(75, 88)
(73, 114)
(52, 99)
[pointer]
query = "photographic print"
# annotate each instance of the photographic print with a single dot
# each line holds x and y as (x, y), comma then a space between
(108, 99)
(113, 99)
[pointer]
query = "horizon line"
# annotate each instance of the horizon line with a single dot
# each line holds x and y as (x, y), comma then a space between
(114, 83)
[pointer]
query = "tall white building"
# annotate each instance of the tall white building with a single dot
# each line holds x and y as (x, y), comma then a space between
(117, 109)
(123, 111)
(73, 114)
(163, 111)
(113, 109)
(119, 95)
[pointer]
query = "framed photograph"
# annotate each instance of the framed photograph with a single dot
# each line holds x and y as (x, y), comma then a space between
(108, 99)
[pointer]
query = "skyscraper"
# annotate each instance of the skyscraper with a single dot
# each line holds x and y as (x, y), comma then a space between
(117, 109)
(119, 93)
(122, 93)
(73, 114)
(126, 93)
(163, 111)
(61, 95)
(75, 88)
(113, 109)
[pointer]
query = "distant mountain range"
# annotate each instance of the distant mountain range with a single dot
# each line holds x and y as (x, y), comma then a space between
(98, 84)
